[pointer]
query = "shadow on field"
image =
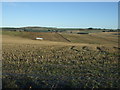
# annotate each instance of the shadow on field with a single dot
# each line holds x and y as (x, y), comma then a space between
(24, 81)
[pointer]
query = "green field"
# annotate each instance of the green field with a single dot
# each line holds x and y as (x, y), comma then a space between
(60, 60)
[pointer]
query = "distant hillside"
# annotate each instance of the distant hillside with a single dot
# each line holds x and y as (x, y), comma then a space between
(34, 29)
(40, 29)
(52, 29)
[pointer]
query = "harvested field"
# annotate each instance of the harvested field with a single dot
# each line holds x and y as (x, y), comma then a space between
(87, 61)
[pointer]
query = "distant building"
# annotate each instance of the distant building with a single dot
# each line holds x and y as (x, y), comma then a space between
(82, 33)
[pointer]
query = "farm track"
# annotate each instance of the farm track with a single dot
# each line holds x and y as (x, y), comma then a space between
(63, 37)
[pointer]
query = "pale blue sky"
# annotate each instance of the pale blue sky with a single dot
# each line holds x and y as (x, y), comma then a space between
(61, 14)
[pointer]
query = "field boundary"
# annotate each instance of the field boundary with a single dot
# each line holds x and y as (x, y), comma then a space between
(63, 37)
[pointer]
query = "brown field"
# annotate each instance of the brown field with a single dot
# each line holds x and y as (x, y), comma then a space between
(60, 60)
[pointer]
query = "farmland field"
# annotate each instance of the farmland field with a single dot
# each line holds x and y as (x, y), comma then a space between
(60, 60)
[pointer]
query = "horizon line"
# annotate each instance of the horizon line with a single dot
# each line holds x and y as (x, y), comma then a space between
(55, 27)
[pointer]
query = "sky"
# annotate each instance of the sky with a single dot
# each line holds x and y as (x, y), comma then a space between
(60, 14)
(60, 0)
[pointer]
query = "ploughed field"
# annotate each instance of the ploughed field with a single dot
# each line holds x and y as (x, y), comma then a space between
(60, 60)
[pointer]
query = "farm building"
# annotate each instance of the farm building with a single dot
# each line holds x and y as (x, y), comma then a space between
(37, 38)
(82, 33)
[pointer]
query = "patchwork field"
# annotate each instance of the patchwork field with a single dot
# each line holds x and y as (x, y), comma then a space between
(60, 60)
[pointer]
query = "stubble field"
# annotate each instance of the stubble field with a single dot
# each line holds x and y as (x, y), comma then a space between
(60, 60)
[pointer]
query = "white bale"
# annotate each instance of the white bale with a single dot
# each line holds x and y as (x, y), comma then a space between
(39, 38)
